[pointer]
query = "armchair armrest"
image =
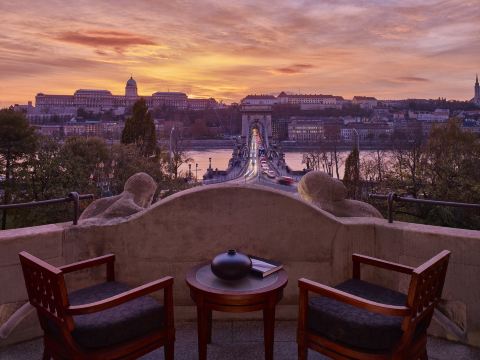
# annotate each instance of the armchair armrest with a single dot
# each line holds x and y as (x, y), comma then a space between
(108, 259)
(373, 306)
(358, 259)
(164, 283)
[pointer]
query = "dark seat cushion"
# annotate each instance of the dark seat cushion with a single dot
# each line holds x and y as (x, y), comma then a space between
(356, 327)
(118, 324)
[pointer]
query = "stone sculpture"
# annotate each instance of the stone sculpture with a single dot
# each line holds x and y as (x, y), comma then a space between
(329, 194)
(137, 195)
(12, 314)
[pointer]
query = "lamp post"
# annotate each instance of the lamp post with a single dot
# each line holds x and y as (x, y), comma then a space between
(189, 171)
(209, 162)
(196, 170)
(171, 150)
(357, 139)
(357, 145)
(358, 159)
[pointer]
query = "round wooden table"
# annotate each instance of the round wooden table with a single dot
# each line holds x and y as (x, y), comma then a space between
(249, 294)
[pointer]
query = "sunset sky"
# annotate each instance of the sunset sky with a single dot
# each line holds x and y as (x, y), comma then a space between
(228, 49)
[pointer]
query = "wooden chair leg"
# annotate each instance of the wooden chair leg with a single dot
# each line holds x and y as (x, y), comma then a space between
(423, 355)
(302, 324)
(46, 354)
(169, 350)
(302, 352)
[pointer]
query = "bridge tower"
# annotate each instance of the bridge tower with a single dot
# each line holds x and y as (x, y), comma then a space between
(260, 116)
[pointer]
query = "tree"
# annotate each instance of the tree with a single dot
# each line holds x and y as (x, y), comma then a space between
(444, 167)
(374, 165)
(199, 129)
(140, 129)
(85, 165)
(176, 154)
(40, 179)
(43, 170)
(319, 159)
(126, 160)
(326, 156)
(79, 160)
(17, 139)
(452, 174)
(453, 169)
(408, 160)
(332, 136)
(351, 178)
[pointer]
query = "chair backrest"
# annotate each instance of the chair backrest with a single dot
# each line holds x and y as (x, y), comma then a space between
(425, 291)
(46, 291)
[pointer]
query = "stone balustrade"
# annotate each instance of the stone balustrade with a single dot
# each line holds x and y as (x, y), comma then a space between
(194, 225)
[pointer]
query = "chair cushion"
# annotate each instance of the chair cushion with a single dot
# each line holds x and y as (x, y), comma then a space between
(118, 324)
(356, 327)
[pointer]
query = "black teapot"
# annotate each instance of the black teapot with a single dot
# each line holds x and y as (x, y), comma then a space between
(231, 265)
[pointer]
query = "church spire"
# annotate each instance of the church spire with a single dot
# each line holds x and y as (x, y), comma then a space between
(476, 83)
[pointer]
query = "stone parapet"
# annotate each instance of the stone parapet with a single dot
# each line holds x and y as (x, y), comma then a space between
(194, 225)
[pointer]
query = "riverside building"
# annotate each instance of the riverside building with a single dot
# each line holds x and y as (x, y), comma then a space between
(98, 101)
(305, 101)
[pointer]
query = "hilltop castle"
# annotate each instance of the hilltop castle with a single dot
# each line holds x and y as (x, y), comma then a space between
(98, 101)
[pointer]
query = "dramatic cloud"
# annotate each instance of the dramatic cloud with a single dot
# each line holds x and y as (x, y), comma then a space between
(387, 49)
(294, 69)
(105, 38)
(412, 79)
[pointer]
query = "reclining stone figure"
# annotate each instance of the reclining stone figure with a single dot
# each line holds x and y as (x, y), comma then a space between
(137, 195)
(329, 194)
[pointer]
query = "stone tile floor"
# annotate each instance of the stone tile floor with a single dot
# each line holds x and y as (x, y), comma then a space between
(243, 340)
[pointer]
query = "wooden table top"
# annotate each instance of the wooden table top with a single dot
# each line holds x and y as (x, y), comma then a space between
(201, 278)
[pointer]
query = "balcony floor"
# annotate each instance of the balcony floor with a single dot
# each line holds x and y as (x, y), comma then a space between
(243, 340)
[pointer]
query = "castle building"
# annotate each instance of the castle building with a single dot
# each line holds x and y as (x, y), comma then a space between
(131, 88)
(97, 101)
(177, 100)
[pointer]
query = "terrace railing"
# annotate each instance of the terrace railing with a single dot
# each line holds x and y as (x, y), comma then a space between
(392, 197)
(71, 197)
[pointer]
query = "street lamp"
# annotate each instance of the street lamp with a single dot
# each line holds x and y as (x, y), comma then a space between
(171, 150)
(357, 142)
(357, 139)
(358, 158)
(189, 171)
(209, 162)
(196, 170)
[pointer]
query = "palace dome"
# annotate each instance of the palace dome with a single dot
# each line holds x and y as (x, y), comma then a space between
(131, 82)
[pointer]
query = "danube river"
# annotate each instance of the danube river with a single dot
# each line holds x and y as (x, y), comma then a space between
(220, 158)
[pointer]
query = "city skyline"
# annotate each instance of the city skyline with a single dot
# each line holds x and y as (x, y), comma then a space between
(408, 49)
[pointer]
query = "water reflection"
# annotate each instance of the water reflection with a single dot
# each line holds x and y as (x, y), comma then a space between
(220, 158)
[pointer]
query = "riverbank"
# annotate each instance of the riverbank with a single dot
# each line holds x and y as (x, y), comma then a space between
(328, 147)
(203, 144)
(229, 144)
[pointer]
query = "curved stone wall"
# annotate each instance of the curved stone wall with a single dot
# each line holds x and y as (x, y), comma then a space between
(194, 225)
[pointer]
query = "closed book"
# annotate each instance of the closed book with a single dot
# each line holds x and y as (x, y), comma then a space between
(264, 267)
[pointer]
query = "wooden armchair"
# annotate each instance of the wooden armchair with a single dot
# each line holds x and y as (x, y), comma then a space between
(360, 320)
(109, 320)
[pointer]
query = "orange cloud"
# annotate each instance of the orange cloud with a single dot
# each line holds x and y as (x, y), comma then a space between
(412, 79)
(105, 38)
(389, 49)
(294, 69)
